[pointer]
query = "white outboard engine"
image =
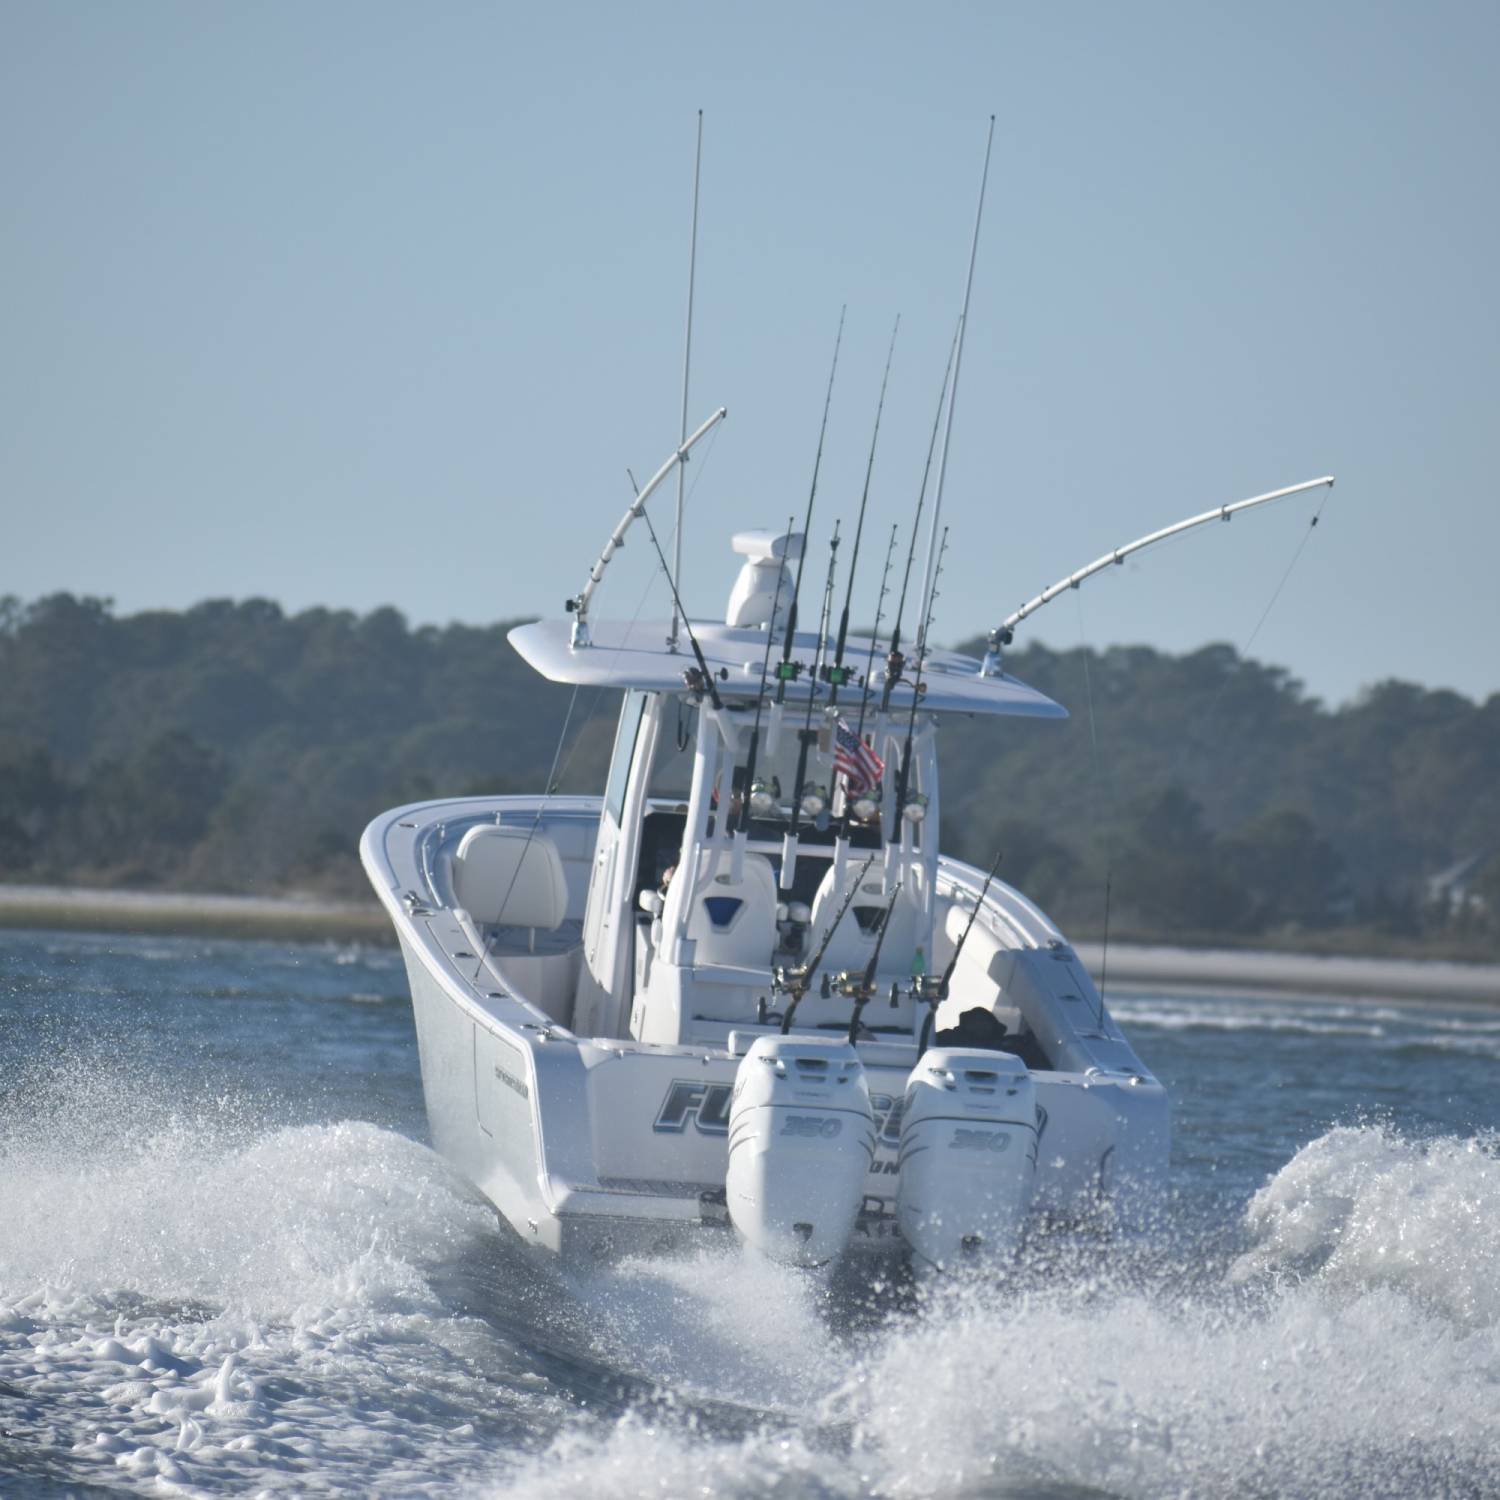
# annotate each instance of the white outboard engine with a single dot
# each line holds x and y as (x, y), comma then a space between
(801, 1138)
(968, 1158)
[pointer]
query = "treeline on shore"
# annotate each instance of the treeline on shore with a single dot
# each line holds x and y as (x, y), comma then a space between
(233, 747)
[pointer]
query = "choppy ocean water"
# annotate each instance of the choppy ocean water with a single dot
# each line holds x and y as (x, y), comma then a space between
(229, 1266)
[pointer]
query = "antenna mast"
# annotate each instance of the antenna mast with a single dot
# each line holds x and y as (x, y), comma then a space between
(958, 358)
(687, 363)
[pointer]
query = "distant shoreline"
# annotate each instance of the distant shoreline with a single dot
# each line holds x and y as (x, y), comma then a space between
(1132, 966)
(186, 914)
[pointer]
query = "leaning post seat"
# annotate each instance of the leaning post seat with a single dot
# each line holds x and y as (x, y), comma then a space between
(732, 923)
(854, 940)
(510, 876)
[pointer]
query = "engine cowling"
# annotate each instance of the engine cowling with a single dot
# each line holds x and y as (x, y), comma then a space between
(801, 1138)
(968, 1158)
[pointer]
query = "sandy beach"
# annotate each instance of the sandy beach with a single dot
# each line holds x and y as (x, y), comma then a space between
(1131, 966)
(185, 914)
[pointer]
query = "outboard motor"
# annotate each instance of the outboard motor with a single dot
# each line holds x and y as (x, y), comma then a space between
(801, 1138)
(968, 1158)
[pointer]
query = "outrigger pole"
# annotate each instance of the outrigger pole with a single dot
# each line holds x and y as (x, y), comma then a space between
(687, 363)
(1002, 635)
(958, 359)
(578, 606)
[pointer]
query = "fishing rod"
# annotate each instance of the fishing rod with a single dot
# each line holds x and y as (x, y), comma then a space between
(760, 698)
(934, 996)
(864, 692)
(867, 982)
(895, 662)
(836, 675)
(903, 779)
(807, 734)
(797, 984)
(947, 979)
(787, 671)
(704, 682)
(1002, 635)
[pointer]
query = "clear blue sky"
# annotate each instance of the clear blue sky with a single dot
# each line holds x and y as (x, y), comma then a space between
(368, 303)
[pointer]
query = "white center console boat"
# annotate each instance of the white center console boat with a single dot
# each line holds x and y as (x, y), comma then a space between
(744, 989)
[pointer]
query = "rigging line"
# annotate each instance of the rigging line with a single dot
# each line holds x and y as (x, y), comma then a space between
(1207, 716)
(554, 779)
(1096, 786)
(1296, 558)
(692, 489)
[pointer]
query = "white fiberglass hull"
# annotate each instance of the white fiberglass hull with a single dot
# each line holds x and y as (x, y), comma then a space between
(592, 1147)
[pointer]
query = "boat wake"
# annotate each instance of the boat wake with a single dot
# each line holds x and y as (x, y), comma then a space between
(201, 1302)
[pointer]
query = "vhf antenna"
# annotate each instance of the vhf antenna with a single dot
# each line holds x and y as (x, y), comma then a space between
(895, 662)
(837, 676)
(687, 365)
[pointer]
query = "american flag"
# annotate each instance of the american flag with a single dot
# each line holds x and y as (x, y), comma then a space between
(855, 761)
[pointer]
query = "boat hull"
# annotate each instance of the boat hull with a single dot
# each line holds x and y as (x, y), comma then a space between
(592, 1148)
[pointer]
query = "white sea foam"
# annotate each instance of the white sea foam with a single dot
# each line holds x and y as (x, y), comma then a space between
(194, 1308)
(194, 1301)
(1353, 1352)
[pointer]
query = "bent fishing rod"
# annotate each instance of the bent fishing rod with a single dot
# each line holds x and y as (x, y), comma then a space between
(1004, 633)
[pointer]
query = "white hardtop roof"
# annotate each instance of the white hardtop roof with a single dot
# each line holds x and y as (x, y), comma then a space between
(625, 655)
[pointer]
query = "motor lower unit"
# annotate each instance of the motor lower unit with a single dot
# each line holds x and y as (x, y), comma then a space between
(968, 1158)
(801, 1138)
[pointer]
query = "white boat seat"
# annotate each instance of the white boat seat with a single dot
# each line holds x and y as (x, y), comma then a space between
(733, 923)
(511, 877)
(853, 942)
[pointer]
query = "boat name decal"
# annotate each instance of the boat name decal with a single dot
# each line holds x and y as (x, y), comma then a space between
(706, 1107)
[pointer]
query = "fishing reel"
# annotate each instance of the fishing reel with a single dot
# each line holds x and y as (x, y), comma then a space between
(848, 984)
(765, 797)
(813, 800)
(698, 684)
